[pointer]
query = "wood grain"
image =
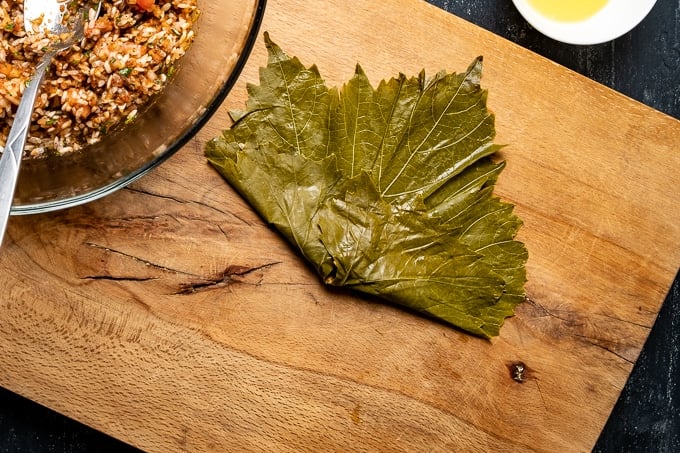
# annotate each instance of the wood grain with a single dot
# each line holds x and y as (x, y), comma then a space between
(169, 316)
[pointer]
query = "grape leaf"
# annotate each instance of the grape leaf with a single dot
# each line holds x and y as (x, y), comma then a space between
(387, 190)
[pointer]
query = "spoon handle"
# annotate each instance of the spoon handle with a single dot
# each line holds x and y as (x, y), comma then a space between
(16, 140)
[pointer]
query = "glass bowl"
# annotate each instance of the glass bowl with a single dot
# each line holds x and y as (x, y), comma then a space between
(225, 33)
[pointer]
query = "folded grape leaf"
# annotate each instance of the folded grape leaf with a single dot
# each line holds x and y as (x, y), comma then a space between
(384, 190)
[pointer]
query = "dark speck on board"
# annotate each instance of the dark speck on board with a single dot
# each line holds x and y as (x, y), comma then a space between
(518, 371)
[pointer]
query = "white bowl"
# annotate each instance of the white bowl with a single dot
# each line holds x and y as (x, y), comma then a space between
(613, 20)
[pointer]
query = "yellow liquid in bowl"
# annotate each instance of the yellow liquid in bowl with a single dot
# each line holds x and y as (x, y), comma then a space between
(568, 10)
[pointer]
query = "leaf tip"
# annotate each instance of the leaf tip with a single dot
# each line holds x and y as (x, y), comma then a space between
(275, 52)
(474, 71)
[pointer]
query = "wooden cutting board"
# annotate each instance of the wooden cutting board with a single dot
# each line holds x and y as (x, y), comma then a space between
(169, 316)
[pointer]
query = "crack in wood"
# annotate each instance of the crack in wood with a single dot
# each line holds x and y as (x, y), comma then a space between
(540, 393)
(594, 342)
(158, 195)
(144, 218)
(573, 321)
(578, 326)
(614, 318)
(231, 275)
(549, 313)
(140, 260)
(190, 202)
(118, 278)
(224, 233)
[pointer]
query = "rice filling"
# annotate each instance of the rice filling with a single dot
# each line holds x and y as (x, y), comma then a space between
(126, 57)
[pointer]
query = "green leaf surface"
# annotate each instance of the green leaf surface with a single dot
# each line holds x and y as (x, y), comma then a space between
(387, 190)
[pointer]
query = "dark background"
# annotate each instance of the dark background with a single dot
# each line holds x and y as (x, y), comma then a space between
(643, 64)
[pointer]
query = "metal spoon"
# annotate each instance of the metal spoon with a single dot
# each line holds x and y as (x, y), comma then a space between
(67, 26)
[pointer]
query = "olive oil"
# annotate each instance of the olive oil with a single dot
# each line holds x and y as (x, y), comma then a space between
(568, 10)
